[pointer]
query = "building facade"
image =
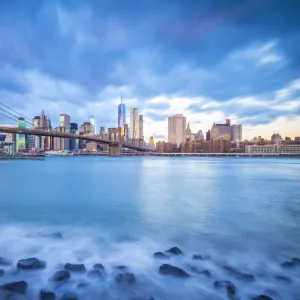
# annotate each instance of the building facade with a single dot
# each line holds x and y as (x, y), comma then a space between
(221, 131)
(177, 129)
(21, 139)
(122, 115)
(141, 127)
(74, 143)
(93, 124)
(134, 123)
(165, 147)
(64, 121)
(236, 133)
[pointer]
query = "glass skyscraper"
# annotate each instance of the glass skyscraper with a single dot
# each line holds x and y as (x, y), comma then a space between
(21, 138)
(121, 115)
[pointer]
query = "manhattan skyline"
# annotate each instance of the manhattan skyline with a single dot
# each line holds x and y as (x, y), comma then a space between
(209, 62)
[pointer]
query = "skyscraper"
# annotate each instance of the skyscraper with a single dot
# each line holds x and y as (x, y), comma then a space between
(121, 115)
(74, 143)
(93, 124)
(141, 127)
(134, 123)
(177, 129)
(64, 121)
(21, 138)
(219, 131)
(236, 133)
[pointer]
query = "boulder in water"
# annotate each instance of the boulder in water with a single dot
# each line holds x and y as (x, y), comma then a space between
(54, 235)
(283, 278)
(197, 257)
(289, 264)
(203, 272)
(31, 264)
(46, 295)
(96, 274)
(296, 260)
(98, 267)
(174, 251)
(125, 278)
(238, 274)
(5, 261)
(80, 268)
(62, 275)
(227, 285)
(69, 296)
(82, 285)
(167, 269)
(161, 255)
(121, 268)
(18, 287)
(2, 272)
(262, 297)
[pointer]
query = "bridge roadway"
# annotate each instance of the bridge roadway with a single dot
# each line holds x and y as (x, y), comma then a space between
(40, 132)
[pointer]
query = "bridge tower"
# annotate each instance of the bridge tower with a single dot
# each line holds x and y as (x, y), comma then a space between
(115, 135)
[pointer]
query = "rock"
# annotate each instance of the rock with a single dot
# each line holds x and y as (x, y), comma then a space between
(31, 264)
(54, 235)
(204, 272)
(225, 284)
(62, 275)
(161, 255)
(236, 273)
(166, 269)
(125, 278)
(283, 278)
(5, 261)
(82, 285)
(98, 267)
(46, 295)
(197, 257)
(75, 268)
(2, 272)
(262, 297)
(69, 296)
(122, 268)
(96, 274)
(18, 287)
(175, 251)
(296, 260)
(289, 264)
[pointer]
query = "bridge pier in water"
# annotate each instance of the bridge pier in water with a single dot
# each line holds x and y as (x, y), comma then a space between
(115, 150)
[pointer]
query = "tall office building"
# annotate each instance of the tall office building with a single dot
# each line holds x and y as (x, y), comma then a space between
(134, 123)
(122, 116)
(42, 120)
(177, 129)
(35, 140)
(93, 124)
(61, 143)
(221, 131)
(141, 127)
(21, 138)
(208, 135)
(64, 121)
(74, 143)
(236, 133)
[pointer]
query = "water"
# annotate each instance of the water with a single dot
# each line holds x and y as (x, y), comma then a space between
(242, 212)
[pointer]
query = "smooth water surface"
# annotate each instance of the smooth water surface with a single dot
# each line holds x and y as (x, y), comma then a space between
(243, 212)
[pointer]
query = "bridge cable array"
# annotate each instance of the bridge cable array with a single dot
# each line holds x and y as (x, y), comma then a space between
(13, 115)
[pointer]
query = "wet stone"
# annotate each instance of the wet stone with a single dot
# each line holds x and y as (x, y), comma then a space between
(122, 268)
(5, 262)
(283, 278)
(227, 285)
(2, 272)
(240, 275)
(262, 297)
(197, 257)
(95, 274)
(46, 295)
(296, 260)
(125, 278)
(54, 235)
(167, 269)
(80, 268)
(69, 296)
(18, 287)
(203, 272)
(62, 275)
(174, 251)
(289, 264)
(82, 285)
(31, 264)
(160, 255)
(98, 267)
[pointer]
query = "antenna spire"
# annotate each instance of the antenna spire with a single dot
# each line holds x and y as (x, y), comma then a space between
(121, 98)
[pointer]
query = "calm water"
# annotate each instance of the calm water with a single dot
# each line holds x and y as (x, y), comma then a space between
(243, 212)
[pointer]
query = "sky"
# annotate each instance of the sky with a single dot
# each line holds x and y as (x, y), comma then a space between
(209, 60)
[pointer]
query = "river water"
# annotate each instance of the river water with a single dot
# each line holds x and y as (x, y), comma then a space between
(241, 212)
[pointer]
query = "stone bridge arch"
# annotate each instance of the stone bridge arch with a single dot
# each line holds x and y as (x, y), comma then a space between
(115, 134)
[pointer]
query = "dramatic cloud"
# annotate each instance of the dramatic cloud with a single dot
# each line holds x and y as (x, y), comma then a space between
(207, 59)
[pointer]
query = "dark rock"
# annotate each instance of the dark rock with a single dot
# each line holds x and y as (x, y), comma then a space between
(54, 235)
(62, 275)
(125, 278)
(31, 264)
(69, 296)
(236, 273)
(262, 297)
(289, 264)
(75, 268)
(197, 257)
(5, 261)
(96, 274)
(161, 255)
(2, 272)
(225, 284)
(296, 260)
(121, 268)
(18, 287)
(283, 278)
(204, 272)
(175, 251)
(98, 267)
(166, 269)
(47, 295)
(82, 285)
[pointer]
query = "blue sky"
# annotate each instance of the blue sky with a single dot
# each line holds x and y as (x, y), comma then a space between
(209, 60)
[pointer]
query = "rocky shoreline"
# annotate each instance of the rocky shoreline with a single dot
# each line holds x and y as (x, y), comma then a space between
(76, 277)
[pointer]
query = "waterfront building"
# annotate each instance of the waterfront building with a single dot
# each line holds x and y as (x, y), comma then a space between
(177, 129)
(21, 138)
(93, 124)
(64, 121)
(236, 133)
(126, 132)
(121, 115)
(74, 143)
(221, 131)
(61, 143)
(219, 145)
(134, 123)
(208, 135)
(273, 148)
(165, 147)
(151, 144)
(276, 138)
(193, 136)
(141, 127)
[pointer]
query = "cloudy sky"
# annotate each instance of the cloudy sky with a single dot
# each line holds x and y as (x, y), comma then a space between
(209, 60)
